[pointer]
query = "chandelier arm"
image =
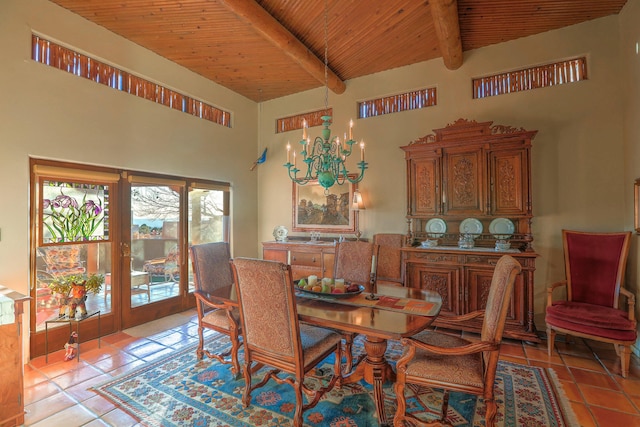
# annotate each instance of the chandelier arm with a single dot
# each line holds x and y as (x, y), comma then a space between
(362, 166)
(347, 152)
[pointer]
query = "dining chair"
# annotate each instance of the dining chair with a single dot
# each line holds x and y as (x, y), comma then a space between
(439, 360)
(389, 263)
(211, 264)
(356, 262)
(594, 266)
(274, 337)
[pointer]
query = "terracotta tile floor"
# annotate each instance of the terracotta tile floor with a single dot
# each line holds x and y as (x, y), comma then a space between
(56, 392)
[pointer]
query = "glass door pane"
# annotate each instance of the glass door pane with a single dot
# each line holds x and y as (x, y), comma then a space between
(155, 243)
(208, 219)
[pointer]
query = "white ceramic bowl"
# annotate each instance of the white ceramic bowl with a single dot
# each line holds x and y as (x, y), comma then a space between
(429, 243)
(503, 246)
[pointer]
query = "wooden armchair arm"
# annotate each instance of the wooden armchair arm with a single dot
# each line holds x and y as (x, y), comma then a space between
(204, 298)
(463, 317)
(471, 348)
(631, 303)
(550, 289)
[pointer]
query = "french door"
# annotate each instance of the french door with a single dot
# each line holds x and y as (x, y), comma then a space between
(154, 263)
(136, 238)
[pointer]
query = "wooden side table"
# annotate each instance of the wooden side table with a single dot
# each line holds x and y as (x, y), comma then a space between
(11, 336)
(68, 320)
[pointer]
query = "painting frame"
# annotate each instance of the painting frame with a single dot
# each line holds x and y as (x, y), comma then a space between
(636, 205)
(310, 204)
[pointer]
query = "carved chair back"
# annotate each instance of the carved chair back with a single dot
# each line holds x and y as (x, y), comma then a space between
(211, 266)
(268, 311)
(595, 265)
(389, 263)
(354, 261)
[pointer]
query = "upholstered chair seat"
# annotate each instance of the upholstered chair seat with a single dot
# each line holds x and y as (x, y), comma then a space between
(464, 370)
(316, 342)
(220, 318)
(593, 320)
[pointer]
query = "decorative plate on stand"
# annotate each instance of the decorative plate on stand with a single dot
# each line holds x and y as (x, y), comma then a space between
(471, 226)
(435, 228)
(280, 233)
(501, 228)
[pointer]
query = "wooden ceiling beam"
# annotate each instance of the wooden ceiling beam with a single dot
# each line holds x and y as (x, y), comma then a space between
(269, 27)
(447, 27)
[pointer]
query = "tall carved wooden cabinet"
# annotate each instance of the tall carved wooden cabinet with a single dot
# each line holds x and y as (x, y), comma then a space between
(475, 179)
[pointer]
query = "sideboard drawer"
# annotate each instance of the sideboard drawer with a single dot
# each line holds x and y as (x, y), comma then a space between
(306, 259)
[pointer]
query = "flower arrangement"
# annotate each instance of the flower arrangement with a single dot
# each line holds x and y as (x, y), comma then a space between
(62, 285)
(69, 221)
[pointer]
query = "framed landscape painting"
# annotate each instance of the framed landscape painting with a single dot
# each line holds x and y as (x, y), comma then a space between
(313, 210)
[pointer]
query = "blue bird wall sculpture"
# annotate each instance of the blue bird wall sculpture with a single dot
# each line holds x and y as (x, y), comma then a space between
(261, 159)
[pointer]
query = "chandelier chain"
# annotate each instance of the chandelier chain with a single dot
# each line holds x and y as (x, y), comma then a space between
(326, 55)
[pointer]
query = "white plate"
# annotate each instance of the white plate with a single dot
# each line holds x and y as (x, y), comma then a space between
(435, 228)
(501, 228)
(471, 226)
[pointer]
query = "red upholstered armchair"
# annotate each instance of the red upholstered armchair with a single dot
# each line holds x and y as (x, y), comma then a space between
(594, 265)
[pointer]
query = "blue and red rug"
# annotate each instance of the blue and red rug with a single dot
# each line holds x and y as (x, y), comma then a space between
(182, 391)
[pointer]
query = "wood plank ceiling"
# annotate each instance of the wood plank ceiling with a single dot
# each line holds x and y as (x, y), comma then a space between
(267, 49)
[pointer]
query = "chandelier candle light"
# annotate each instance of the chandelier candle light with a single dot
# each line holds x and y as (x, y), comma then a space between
(325, 158)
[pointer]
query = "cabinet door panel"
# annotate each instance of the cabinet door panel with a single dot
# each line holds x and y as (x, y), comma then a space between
(510, 187)
(464, 171)
(425, 186)
(444, 280)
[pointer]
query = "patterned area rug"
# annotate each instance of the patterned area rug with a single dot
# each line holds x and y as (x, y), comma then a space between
(182, 391)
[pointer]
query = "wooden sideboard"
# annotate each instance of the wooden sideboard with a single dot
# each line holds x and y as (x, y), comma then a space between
(463, 278)
(477, 172)
(305, 258)
(11, 360)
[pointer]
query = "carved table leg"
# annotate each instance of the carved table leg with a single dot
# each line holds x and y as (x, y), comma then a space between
(375, 370)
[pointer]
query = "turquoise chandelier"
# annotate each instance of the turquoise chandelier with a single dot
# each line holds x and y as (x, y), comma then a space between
(324, 159)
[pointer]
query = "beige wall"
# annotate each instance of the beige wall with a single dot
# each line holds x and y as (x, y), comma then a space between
(51, 114)
(630, 55)
(578, 176)
(630, 48)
